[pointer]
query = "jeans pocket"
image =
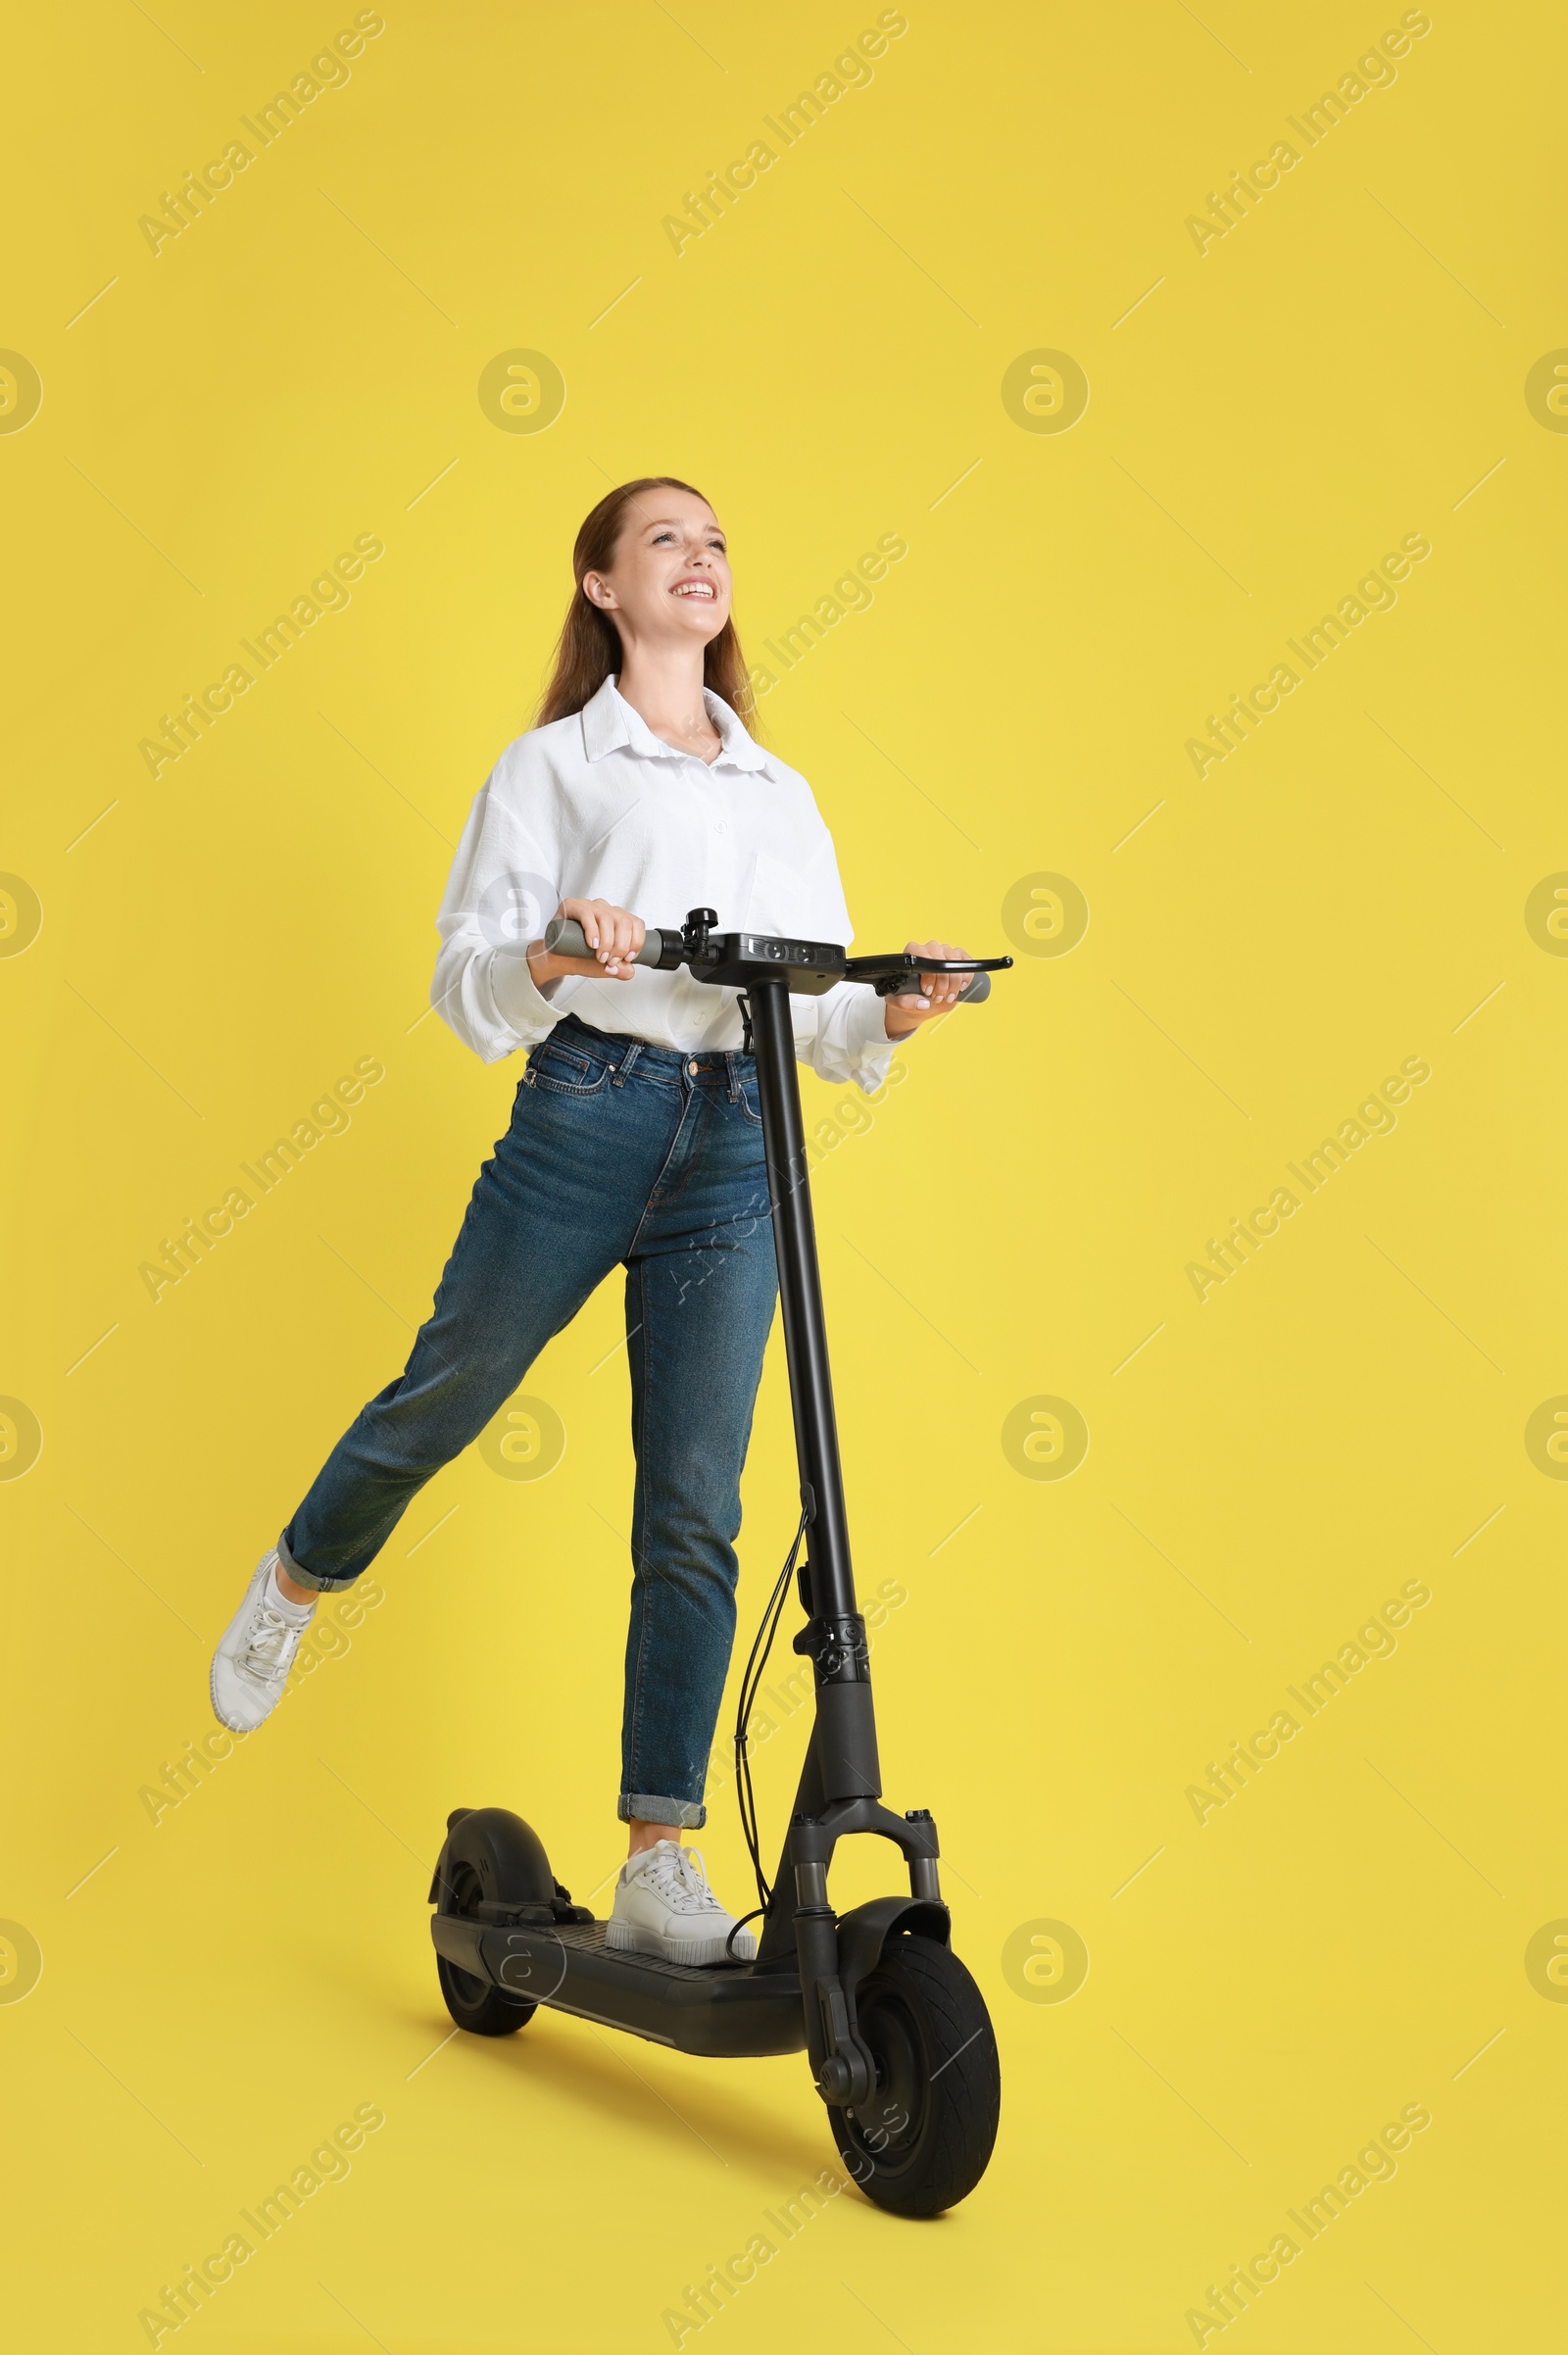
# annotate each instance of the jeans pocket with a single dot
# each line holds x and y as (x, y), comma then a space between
(750, 1100)
(566, 1070)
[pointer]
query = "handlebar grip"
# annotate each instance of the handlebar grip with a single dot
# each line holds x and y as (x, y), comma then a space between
(564, 937)
(976, 988)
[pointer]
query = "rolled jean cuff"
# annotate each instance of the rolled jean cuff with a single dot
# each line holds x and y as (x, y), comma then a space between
(310, 1578)
(688, 1815)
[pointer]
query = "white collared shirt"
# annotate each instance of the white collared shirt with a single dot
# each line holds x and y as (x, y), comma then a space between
(597, 807)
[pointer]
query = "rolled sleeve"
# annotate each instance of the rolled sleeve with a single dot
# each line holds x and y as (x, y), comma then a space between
(500, 888)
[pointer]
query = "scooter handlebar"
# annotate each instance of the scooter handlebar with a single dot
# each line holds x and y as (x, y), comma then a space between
(563, 936)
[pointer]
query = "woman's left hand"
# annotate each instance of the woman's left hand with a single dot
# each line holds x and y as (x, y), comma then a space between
(939, 996)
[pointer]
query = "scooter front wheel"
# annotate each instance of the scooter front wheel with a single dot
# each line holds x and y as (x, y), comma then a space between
(921, 2141)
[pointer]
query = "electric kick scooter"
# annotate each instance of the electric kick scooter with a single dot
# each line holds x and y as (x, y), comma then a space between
(900, 2043)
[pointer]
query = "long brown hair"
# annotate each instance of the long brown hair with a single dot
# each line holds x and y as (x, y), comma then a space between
(589, 648)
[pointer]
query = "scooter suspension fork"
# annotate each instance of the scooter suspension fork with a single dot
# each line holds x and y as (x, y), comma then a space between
(840, 2062)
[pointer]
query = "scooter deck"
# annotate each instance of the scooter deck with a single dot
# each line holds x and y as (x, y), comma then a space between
(724, 2011)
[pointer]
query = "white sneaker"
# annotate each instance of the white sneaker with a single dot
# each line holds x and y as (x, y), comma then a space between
(251, 1665)
(664, 1906)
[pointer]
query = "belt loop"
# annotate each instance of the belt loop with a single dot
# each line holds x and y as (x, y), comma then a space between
(633, 1051)
(733, 1076)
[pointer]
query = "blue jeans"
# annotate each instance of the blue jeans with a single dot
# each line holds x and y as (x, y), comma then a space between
(616, 1152)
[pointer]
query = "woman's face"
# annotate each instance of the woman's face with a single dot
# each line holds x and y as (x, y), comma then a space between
(669, 582)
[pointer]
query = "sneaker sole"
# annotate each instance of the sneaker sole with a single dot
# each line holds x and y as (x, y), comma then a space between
(212, 1695)
(230, 1721)
(627, 1938)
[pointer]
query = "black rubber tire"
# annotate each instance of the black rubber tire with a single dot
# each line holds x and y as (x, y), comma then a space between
(475, 2005)
(924, 2140)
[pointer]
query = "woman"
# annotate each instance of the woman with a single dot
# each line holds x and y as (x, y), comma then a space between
(635, 1139)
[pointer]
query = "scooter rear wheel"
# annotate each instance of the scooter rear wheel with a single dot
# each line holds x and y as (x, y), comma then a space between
(475, 2005)
(922, 2140)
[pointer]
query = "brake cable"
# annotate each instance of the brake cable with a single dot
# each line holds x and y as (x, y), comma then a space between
(751, 1685)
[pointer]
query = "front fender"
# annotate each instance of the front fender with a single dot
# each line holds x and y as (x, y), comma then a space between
(864, 1930)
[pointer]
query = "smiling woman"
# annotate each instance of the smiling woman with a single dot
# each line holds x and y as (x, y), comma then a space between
(590, 646)
(636, 1139)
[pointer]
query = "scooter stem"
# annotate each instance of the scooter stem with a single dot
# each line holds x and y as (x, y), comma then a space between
(843, 1745)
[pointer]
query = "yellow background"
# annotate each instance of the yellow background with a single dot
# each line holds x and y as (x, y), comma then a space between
(217, 422)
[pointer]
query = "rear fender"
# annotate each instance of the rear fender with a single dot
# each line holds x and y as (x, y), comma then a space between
(507, 1857)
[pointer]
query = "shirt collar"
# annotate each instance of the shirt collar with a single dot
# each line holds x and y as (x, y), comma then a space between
(610, 723)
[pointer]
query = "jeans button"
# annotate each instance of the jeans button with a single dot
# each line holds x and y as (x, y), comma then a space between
(692, 1068)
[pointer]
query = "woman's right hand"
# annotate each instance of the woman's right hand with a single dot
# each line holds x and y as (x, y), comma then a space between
(614, 936)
